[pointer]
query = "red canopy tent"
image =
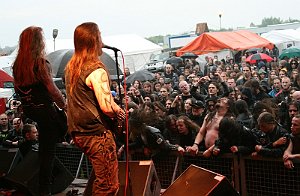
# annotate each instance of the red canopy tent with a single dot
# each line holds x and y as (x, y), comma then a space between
(4, 77)
(5, 81)
(217, 41)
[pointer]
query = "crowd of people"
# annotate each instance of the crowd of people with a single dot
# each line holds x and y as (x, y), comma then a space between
(220, 107)
(225, 106)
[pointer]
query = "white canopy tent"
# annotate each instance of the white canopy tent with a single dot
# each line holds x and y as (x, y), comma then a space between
(6, 63)
(283, 38)
(6, 92)
(136, 50)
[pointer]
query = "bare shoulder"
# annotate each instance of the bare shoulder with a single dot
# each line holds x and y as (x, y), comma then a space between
(97, 76)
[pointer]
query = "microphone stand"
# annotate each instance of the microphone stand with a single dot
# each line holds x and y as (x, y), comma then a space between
(118, 74)
(127, 173)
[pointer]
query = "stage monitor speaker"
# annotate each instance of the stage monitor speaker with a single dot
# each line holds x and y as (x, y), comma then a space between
(9, 158)
(143, 179)
(199, 181)
(25, 176)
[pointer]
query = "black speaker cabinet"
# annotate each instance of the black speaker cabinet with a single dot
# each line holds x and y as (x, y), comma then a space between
(9, 157)
(199, 181)
(25, 176)
(143, 180)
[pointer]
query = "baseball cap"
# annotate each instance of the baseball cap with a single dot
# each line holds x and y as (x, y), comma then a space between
(197, 104)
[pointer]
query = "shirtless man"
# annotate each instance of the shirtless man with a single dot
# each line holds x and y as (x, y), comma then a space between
(209, 130)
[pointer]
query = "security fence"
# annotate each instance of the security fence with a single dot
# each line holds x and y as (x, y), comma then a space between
(249, 176)
(259, 176)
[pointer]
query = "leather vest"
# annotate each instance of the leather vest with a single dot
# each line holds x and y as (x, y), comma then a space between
(80, 117)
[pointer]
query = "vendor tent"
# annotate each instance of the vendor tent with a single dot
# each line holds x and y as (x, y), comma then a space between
(217, 41)
(283, 38)
(136, 50)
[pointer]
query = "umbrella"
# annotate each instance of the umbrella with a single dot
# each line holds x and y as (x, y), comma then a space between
(141, 75)
(258, 57)
(176, 61)
(253, 50)
(290, 53)
(59, 59)
(189, 55)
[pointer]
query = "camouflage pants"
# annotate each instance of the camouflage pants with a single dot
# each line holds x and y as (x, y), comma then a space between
(101, 152)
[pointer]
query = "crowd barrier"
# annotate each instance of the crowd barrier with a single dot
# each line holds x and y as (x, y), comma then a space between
(249, 176)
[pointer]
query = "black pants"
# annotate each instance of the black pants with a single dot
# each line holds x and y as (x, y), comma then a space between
(48, 137)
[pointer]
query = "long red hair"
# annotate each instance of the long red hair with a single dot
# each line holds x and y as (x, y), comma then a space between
(88, 48)
(30, 65)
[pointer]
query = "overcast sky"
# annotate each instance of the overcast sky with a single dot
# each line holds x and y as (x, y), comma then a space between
(141, 17)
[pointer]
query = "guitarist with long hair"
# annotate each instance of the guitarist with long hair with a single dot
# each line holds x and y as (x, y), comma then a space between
(38, 93)
(91, 107)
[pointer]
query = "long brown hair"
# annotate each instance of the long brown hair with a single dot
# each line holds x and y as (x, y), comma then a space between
(30, 65)
(88, 47)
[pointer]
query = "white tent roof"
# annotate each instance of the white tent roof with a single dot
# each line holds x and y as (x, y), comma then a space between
(282, 36)
(6, 92)
(6, 63)
(131, 44)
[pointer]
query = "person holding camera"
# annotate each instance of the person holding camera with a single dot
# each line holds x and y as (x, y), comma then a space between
(213, 88)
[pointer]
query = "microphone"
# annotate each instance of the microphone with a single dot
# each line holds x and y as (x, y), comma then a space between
(110, 47)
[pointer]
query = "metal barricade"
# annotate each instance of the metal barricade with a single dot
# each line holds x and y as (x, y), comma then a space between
(259, 176)
(266, 176)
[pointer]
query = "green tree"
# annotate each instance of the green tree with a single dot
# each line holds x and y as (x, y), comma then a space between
(270, 21)
(156, 39)
(291, 20)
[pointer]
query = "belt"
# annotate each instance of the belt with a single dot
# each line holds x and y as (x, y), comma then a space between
(100, 133)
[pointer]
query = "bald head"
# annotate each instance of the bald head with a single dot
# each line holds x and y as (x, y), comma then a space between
(296, 96)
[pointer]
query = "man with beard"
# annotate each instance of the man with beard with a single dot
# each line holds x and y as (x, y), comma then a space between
(209, 130)
(246, 75)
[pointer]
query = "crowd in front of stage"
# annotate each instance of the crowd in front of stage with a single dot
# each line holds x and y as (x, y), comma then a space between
(220, 107)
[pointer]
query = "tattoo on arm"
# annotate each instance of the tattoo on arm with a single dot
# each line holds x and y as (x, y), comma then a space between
(104, 85)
